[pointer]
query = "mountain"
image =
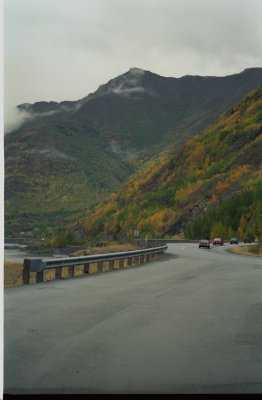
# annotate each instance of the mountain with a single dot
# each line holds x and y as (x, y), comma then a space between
(67, 157)
(211, 186)
(139, 109)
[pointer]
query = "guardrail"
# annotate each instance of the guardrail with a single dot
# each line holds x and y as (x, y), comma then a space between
(125, 259)
(176, 240)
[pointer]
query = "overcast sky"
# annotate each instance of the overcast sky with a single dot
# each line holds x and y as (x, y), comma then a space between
(64, 49)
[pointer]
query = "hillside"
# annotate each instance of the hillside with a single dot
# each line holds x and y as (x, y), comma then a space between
(212, 185)
(69, 156)
(57, 177)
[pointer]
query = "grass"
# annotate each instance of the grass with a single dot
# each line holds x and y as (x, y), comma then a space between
(254, 250)
(113, 247)
(12, 274)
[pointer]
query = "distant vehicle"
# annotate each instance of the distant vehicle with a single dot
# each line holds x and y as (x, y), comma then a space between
(247, 240)
(233, 241)
(218, 241)
(204, 243)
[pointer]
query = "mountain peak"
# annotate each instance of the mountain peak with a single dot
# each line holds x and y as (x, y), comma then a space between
(136, 71)
(127, 84)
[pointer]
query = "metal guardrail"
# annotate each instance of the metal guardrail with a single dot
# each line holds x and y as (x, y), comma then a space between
(175, 240)
(40, 265)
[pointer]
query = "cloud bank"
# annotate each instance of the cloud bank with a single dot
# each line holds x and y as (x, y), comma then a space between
(64, 49)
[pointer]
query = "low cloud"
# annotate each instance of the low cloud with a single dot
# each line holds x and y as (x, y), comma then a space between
(127, 91)
(55, 154)
(124, 154)
(14, 119)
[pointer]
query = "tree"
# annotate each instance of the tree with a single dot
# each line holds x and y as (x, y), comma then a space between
(255, 222)
(218, 230)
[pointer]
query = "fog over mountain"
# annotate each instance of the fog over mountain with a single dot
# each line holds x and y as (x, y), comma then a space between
(56, 50)
(132, 84)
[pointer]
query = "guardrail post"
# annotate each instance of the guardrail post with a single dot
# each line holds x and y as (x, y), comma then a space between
(26, 272)
(71, 270)
(121, 263)
(86, 268)
(147, 257)
(111, 265)
(58, 273)
(129, 261)
(100, 266)
(39, 276)
(142, 259)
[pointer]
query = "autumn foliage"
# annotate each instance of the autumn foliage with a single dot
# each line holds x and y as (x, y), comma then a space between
(211, 186)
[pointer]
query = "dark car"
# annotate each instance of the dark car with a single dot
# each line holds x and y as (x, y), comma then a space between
(218, 241)
(233, 241)
(247, 240)
(204, 243)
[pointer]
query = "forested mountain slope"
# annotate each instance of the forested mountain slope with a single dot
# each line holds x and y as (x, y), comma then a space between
(212, 182)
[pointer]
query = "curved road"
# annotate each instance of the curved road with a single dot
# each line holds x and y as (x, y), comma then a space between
(190, 322)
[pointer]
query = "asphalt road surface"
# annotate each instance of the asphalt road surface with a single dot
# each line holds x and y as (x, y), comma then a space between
(190, 322)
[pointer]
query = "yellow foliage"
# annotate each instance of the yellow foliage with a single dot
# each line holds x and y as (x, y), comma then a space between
(107, 208)
(218, 231)
(157, 223)
(220, 186)
(237, 172)
(242, 225)
(187, 192)
(65, 198)
(213, 199)
(197, 154)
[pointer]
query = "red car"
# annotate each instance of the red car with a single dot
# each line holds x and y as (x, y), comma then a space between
(204, 243)
(218, 241)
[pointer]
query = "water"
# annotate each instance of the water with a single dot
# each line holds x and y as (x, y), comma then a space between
(18, 254)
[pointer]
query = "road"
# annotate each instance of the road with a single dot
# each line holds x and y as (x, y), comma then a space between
(190, 322)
